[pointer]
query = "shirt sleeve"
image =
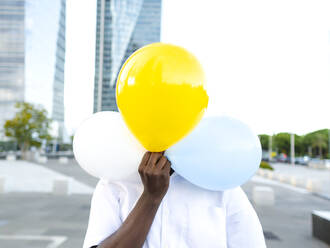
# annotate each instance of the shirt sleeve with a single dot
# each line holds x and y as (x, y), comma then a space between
(242, 223)
(104, 218)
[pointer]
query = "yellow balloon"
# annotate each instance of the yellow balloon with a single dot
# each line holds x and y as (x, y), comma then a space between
(161, 94)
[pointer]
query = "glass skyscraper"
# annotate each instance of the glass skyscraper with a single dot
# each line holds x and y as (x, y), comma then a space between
(32, 57)
(12, 56)
(122, 27)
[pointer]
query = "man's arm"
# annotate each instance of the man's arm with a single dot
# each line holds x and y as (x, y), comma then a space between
(154, 171)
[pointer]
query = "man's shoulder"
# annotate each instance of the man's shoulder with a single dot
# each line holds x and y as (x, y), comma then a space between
(234, 192)
(128, 185)
(104, 187)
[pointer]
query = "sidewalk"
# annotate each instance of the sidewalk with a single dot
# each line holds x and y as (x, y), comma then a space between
(287, 223)
(47, 218)
(22, 176)
(314, 180)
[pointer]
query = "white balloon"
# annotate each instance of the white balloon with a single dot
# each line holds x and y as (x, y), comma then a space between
(105, 148)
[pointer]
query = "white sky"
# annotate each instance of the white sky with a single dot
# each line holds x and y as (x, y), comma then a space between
(267, 62)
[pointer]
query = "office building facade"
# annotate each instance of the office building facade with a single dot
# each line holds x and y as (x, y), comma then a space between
(32, 57)
(12, 56)
(122, 27)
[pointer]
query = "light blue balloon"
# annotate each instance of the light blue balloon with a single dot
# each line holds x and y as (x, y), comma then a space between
(220, 153)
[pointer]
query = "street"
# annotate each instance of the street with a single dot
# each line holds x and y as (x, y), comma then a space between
(44, 220)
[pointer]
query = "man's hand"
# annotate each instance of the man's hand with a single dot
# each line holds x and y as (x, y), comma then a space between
(154, 171)
(155, 174)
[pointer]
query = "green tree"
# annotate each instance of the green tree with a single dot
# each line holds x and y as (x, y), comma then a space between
(264, 140)
(298, 145)
(29, 127)
(282, 142)
(319, 141)
(315, 143)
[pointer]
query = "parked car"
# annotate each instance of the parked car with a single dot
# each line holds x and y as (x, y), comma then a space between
(302, 160)
(282, 158)
(327, 163)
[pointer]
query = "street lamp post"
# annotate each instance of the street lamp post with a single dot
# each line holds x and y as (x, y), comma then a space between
(329, 143)
(270, 148)
(292, 149)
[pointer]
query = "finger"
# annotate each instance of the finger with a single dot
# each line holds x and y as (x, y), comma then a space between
(167, 167)
(145, 159)
(155, 156)
(161, 163)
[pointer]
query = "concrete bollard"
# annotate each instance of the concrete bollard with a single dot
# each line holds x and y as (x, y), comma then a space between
(276, 176)
(260, 172)
(299, 182)
(2, 185)
(313, 185)
(282, 178)
(321, 225)
(11, 157)
(293, 181)
(63, 160)
(61, 186)
(42, 159)
(263, 195)
(270, 175)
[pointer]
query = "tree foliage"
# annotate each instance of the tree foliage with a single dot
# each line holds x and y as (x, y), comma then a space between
(264, 140)
(29, 127)
(317, 142)
(282, 142)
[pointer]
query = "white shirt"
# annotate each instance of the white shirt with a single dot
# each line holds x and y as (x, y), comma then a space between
(188, 216)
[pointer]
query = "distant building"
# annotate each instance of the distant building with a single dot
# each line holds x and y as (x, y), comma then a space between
(122, 27)
(32, 57)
